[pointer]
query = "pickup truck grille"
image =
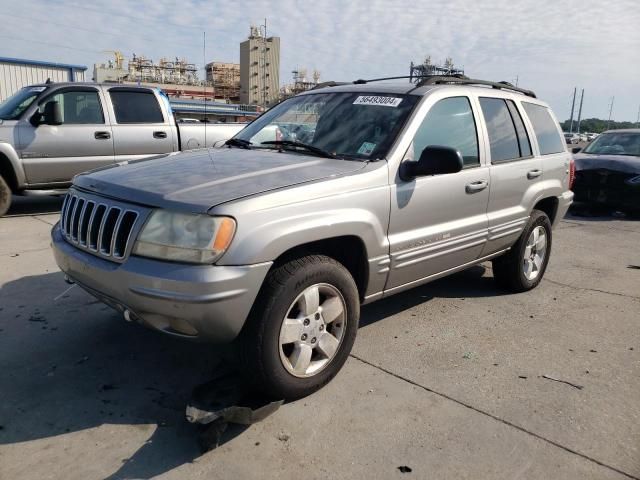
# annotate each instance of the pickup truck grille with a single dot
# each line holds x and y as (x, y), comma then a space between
(98, 226)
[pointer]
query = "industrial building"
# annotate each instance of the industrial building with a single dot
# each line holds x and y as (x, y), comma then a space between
(260, 68)
(16, 73)
(224, 78)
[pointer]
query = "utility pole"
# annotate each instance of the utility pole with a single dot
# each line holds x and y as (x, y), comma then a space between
(573, 106)
(580, 110)
(610, 111)
(638, 118)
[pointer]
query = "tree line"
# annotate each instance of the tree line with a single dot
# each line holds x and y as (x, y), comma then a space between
(596, 125)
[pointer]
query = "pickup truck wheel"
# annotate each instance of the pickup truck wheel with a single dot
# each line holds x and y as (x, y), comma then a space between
(523, 267)
(5, 197)
(301, 328)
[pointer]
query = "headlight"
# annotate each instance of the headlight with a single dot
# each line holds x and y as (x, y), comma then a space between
(185, 237)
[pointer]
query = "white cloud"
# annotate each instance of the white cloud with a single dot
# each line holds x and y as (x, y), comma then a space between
(550, 46)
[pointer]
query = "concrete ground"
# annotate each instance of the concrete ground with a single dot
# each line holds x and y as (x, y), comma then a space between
(446, 380)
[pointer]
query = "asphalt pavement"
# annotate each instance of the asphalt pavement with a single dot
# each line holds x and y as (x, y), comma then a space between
(454, 379)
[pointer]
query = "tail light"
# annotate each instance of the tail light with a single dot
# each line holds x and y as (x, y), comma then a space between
(572, 173)
(278, 135)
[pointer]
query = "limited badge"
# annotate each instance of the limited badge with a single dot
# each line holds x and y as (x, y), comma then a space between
(366, 148)
(378, 101)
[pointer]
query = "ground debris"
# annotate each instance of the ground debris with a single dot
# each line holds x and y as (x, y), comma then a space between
(283, 437)
(404, 469)
(549, 377)
(37, 318)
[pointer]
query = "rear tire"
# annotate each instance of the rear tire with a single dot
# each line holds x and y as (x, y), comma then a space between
(301, 328)
(522, 268)
(5, 197)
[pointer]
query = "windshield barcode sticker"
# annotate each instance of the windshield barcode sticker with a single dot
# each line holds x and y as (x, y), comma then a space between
(379, 101)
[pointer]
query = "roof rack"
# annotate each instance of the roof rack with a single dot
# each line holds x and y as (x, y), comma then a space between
(329, 84)
(436, 80)
(463, 80)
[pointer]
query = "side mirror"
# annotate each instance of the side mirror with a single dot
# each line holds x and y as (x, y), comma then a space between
(52, 113)
(434, 160)
(575, 149)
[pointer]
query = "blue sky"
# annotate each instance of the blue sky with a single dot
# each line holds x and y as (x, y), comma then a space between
(550, 45)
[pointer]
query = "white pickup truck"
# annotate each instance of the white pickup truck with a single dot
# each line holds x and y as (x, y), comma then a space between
(51, 132)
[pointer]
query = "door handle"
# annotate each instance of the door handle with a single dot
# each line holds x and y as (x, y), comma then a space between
(478, 186)
(159, 134)
(534, 173)
(102, 135)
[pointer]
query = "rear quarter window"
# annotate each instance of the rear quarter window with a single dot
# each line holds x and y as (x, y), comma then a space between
(545, 129)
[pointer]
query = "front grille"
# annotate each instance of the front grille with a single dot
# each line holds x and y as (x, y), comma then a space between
(98, 225)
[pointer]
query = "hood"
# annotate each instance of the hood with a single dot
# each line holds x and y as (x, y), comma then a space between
(618, 163)
(198, 180)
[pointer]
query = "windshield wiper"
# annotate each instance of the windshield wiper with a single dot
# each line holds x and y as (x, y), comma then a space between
(290, 143)
(239, 142)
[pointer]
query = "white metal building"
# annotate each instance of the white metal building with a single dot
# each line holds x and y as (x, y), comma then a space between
(16, 73)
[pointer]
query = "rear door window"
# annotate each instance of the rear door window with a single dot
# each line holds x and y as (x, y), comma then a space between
(545, 129)
(135, 107)
(503, 139)
(523, 138)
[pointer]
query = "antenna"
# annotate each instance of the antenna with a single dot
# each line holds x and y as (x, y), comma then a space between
(204, 84)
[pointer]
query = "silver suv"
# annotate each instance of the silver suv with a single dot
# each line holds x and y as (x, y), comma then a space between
(369, 189)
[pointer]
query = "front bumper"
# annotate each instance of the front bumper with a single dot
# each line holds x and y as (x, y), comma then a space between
(609, 188)
(205, 302)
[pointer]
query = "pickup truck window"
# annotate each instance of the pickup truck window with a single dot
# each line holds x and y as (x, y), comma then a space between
(545, 128)
(449, 123)
(78, 107)
(347, 124)
(136, 107)
(15, 105)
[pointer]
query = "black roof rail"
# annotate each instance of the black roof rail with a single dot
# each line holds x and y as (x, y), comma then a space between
(329, 84)
(463, 80)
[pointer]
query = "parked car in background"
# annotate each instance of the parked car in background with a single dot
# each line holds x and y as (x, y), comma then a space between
(53, 131)
(591, 136)
(275, 244)
(608, 170)
(583, 137)
(571, 138)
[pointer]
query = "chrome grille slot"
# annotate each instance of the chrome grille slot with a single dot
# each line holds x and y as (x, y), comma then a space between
(123, 233)
(106, 231)
(85, 221)
(98, 226)
(77, 216)
(94, 229)
(67, 215)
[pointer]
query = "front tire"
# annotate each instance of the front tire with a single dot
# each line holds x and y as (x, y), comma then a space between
(5, 197)
(301, 328)
(522, 268)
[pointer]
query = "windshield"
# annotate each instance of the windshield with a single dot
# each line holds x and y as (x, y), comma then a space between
(15, 105)
(623, 143)
(345, 125)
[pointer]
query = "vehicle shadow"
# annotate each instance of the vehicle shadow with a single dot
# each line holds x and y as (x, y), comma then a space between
(40, 205)
(470, 283)
(74, 365)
